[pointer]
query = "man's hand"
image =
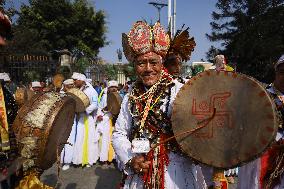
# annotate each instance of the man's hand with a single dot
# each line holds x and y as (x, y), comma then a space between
(139, 164)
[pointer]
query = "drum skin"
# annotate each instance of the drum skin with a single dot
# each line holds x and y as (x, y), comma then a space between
(113, 102)
(82, 100)
(47, 120)
(239, 118)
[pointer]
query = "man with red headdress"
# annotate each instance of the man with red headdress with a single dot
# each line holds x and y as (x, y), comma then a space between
(144, 120)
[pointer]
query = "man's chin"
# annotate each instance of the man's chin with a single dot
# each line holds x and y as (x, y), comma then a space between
(149, 83)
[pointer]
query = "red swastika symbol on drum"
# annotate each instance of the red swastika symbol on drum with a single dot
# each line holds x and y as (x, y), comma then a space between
(205, 109)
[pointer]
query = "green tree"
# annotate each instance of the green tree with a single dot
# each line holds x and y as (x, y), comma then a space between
(111, 71)
(129, 71)
(46, 25)
(251, 35)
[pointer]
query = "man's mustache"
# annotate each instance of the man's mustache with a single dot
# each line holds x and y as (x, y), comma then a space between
(147, 74)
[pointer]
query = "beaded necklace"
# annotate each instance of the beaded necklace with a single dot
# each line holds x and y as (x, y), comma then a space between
(145, 106)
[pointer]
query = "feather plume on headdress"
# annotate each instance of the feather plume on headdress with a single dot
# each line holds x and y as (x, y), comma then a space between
(182, 45)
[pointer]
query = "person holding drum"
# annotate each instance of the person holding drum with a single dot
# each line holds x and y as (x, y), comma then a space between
(37, 87)
(267, 171)
(67, 153)
(144, 118)
(105, 125)
(85, 148)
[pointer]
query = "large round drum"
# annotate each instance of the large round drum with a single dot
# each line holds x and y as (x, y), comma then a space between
(238, 117)
(113, 102)
(42, 127)
(82, 100)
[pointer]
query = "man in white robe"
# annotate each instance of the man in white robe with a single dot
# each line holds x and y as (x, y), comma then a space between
(251, 175)
(85, 148)
(105, 125)
(150, 99)
(68, 150)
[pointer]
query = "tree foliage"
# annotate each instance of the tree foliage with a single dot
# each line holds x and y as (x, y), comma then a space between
(46, 25)
(111, 71)
(251, 33)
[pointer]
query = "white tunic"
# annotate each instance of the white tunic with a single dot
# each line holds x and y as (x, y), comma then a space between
(249, 174)
(103, 129)
(68, 150)
(86, 148)
(179, 174)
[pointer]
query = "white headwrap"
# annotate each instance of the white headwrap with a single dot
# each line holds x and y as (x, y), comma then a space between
(36, 84)
(4, 76)
(112, 83)
(68, 82)
(78, 76)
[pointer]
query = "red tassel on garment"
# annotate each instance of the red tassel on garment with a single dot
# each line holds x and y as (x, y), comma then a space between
(155, 177)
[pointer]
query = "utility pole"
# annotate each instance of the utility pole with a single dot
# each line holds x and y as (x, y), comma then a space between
(158, 6)
(174, 19)
(170, 19)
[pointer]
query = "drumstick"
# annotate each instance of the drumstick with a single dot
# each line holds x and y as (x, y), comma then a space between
(189, 132)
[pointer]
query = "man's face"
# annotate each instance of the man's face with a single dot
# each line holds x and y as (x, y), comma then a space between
(67, 87)
(78, 83)
(37, 89)
(112, 89)
(220, 64)
(279, 75)
(173, 66)
(148, 68)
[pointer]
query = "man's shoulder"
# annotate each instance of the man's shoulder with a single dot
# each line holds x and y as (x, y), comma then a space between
(177, 84)
(89, 90)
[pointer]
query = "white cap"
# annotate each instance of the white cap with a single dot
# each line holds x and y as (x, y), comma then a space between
(280, 61)
(36, 84)
(112, 83)
(78, 76)
(4, 76)
(68, 82)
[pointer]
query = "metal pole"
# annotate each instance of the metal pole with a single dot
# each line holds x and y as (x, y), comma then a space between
(174, 20)
(170, 16)
(159, 10)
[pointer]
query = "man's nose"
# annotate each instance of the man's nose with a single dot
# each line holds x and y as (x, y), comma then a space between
(148, 66)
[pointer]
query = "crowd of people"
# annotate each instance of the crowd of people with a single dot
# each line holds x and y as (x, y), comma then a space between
(133, 137)
(90, 138)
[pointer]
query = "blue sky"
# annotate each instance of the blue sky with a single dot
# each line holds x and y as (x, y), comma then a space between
(121, 14)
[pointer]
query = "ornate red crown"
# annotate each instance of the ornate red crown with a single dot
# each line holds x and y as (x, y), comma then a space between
(143, 38)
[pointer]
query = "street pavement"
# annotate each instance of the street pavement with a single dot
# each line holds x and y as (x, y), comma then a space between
(96, 177)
